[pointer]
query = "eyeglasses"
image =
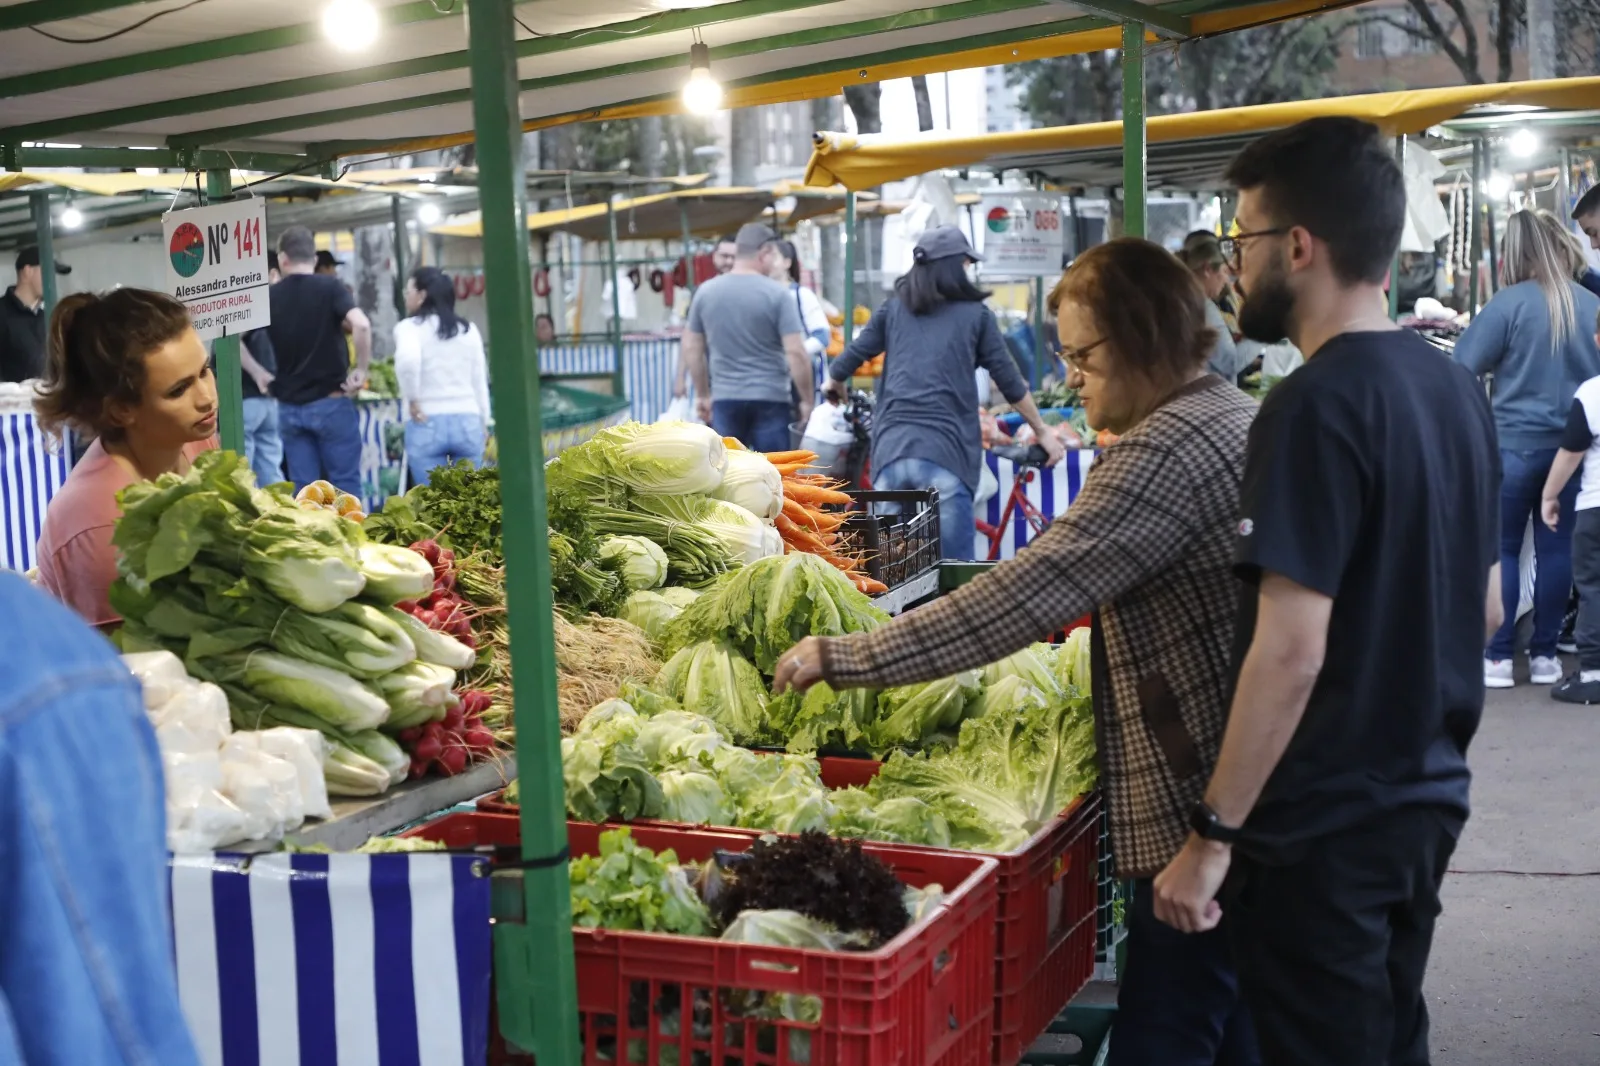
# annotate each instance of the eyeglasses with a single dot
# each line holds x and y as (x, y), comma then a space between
(1233, 247)
(1074, 357)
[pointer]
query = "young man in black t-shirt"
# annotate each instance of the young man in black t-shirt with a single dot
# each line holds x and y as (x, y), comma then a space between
(1368, 545)
(314, 383)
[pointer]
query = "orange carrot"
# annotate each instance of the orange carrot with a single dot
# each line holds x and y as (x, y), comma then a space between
(827, 521)
(871, 586)
(794, 534)
(800, 456)
(788, 469)
(799, 515)
(813, 495)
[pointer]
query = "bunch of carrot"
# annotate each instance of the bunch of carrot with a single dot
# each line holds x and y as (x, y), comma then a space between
(804, 525)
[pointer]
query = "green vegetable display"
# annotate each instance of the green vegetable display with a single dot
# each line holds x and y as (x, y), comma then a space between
(712, 679)
(627, 886)
(650, 611)
(636, 560)
(910, 713)
(394, 574)
(765, 608)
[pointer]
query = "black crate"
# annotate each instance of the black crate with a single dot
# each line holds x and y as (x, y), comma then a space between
(896, 547)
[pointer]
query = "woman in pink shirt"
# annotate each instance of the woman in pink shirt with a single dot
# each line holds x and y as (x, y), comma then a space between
(128, 369)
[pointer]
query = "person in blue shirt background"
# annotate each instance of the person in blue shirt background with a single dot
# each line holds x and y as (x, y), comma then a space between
(86, 966)
(1533, 338)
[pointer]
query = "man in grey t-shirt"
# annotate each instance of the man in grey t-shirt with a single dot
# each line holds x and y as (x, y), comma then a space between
(749, 326)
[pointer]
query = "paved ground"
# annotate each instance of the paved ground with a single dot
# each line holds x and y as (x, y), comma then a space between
(1516, 965)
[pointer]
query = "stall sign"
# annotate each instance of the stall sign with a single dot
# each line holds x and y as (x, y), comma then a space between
(1022, 235)
(217, 266)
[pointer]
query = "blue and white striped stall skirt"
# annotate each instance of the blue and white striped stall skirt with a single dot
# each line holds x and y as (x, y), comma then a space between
(1051, 491)
(30, 473)
(359, 960)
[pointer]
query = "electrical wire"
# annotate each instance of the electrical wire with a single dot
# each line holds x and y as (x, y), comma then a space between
(116, 33)
(573, 35)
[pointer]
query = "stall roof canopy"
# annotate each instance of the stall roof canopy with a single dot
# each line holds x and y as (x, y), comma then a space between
(1188, 151)
(709, 212)
(257, 77)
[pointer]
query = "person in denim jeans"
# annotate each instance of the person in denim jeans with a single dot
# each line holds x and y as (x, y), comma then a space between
(263, 448)
(935, 332)
(315, 384)
(1533, 338)
(86, 967)
(443, 375)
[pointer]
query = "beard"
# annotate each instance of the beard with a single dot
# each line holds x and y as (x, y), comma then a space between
(1264, 315)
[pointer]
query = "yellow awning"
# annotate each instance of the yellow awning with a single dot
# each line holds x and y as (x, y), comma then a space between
(124, 184)
(710, 212)
(862, 162)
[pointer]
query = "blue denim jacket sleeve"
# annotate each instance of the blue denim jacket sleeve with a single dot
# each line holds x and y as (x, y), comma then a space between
(86, 958)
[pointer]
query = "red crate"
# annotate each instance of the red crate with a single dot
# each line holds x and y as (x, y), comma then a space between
(924, 999)
(1045, 920)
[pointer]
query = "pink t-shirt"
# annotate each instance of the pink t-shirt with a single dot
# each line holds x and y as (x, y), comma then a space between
(77, 561)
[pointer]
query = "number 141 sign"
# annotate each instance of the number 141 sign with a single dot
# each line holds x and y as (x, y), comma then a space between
(217, 266)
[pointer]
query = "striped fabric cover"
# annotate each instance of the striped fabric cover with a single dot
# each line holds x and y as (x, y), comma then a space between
(30, 473)
(359, 960)
(1051, 491)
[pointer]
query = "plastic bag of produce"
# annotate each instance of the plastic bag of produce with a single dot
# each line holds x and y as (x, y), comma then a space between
(264, 786)
(195, 720)
(305, 750)
(211, 822)
(160, 673)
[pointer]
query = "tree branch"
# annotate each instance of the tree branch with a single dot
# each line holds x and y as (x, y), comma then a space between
(1466, 61)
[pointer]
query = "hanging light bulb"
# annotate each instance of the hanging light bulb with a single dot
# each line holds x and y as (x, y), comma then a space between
(352, 25)
(71, 218)
(1497, 186)
(428, 214)
(1523, 142)
(702, 94)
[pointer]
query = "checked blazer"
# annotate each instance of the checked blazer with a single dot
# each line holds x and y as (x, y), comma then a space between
(1148, 547)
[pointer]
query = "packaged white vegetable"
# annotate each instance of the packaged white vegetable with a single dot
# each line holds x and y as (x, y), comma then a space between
(264, 786)
(210, 822)
(194, 720)
(160, 673)
(305, 750)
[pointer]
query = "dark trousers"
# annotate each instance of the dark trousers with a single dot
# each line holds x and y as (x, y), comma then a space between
(760, 425)
(1332, 947)
(1586, 576)
(1178, 999)
(322, 439)
(1521, 485)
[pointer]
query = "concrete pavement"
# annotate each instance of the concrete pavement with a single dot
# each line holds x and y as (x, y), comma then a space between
(1515, 976)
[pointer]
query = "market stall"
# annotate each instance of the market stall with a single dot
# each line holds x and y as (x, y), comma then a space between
(120, 94)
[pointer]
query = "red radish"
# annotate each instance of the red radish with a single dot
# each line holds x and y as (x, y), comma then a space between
(453, 719)
(447, 557)
(429, 619)
(419, 767)
(445, 581)
(428, 549)
(428, 748)
(409, 736)
(480, 739)
(408, 606)
(454, 760)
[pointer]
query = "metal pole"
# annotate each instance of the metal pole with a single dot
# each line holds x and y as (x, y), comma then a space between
(616, 298)
(849, 267)
(1072, 216)
(225, 349)
(44, 237)
(1038, 332)
(1475, 240)
(400, 248)
(688, 247)
(1488, 206)
(537, 998)
(1394, 268)
(1134, 222)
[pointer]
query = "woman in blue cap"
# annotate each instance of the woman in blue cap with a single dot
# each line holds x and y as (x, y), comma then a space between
(934, 333)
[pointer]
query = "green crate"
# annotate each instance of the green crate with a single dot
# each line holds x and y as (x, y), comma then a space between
(952, 575)
(562, 406)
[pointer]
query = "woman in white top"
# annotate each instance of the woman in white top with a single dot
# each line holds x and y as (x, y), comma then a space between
(444, 377)
(784, 267)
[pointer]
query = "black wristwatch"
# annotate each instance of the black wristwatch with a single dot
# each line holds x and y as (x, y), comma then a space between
(1207, 826)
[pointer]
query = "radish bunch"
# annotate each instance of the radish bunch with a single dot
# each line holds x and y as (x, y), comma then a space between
(449, 745)
(443, 610)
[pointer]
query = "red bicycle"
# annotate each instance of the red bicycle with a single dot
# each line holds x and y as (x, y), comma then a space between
(1028, 459)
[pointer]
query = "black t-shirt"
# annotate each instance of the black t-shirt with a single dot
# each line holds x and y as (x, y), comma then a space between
(1372, 476)
(307, 334)
(22, 339)
(259, 344)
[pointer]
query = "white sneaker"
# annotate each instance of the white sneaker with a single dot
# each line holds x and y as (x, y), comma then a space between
(1497, 673)
(1544, 670)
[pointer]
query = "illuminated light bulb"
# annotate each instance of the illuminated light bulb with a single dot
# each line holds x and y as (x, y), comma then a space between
(352, 25)
(1523, 143)
(71, 218)
(1497, 186)
(428, 214)
(702, 94)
